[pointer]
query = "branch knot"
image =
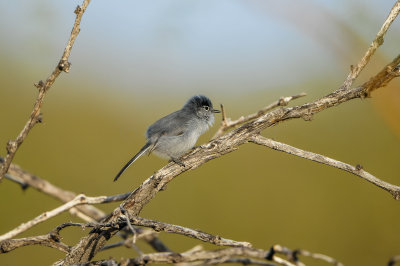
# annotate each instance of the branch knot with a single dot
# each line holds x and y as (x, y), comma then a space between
(78, 10)
(64, 65)
(11, 146)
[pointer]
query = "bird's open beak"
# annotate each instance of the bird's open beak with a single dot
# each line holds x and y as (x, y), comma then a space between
(216, 111)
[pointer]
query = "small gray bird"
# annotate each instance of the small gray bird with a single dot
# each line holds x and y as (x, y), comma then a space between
(175, 134)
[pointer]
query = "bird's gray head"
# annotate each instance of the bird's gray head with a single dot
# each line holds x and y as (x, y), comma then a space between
(202, 107)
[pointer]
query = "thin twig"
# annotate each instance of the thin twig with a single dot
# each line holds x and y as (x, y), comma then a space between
(128, 242)
(88, 213)
(244, 261)
(53, 238)
(227, 124)
(78, 200)
(378, 41)
(25, 179)
(125, 215)
(161, 226)
(197, 234)
(356, 170)
(35, 117)
(138, 221)
(44, 240)
(292, 255)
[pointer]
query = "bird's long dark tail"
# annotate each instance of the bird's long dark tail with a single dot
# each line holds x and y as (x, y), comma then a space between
(142, 151)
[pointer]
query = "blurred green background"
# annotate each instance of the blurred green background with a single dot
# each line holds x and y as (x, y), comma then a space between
(135, 61)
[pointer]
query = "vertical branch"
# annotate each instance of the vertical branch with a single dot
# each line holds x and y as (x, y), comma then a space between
(35, 117)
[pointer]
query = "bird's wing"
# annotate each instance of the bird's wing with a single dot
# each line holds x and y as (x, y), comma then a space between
(174, 124)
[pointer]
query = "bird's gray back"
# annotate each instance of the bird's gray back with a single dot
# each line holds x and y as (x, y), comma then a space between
(173, 124)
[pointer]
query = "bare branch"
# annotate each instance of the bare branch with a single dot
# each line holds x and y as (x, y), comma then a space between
(227, 124)
(90, 245)
(229, 142)
(44, 240)
(86, 212)
(197, 234)
(53, 238)
(292, 255)
(78, 200)
(138, 221)
(160, 226)
(145, 234)
(202, 255)
(381, 79)
(356, 170)
(125, 215)
(378, 41)
(25, 179)
(244, 261)
(35, 117)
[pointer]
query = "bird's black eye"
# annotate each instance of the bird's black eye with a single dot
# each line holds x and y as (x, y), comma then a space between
(206, 107)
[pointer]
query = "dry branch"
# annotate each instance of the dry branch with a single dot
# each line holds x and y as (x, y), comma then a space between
(88, 246)
(378, 41)
(229, 142)
(78, 200)
(197, 234)
(121, 223)
(43, 87)
(53, 238)
(243, 261)
(293, 255)
(148, 235)
(356, 170)
(227, 123)
(222, 255)
(25, 179)
(48, 240)
(88, 213)
(158, 226)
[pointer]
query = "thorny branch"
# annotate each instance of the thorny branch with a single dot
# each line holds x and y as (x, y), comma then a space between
(35, 117)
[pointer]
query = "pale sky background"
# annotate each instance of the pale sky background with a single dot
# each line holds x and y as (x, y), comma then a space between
(211, 46)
